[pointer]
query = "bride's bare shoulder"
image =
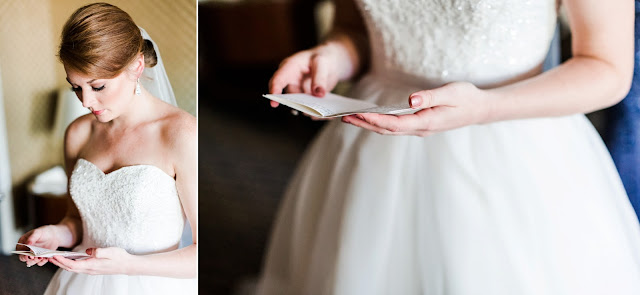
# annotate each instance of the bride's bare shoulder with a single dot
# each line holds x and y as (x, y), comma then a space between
(179, 126)
(77, 135)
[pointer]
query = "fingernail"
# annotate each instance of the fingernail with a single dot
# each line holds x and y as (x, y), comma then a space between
(415, 100)
(319, 91)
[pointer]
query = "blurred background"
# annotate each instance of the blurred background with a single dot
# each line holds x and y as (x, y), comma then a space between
(248, 150)
(31, 80)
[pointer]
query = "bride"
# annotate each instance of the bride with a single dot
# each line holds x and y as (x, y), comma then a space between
(506, 189)
(131, 163)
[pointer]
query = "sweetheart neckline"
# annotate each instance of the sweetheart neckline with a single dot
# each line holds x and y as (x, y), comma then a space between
(126, 167)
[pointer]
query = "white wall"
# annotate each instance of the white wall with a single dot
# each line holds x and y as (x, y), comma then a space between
(8, 234)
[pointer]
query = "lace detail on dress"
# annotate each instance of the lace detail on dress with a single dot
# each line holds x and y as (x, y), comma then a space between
(458, 40)
(135, 208)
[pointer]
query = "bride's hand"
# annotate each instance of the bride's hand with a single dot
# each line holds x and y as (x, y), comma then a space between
(103, 261)
(44, 237)
(451, 106)
(314, 71)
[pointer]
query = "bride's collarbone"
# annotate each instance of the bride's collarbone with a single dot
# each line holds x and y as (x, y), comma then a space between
(110, 152)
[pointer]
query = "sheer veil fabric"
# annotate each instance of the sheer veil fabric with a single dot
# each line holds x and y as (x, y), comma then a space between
(155, 79)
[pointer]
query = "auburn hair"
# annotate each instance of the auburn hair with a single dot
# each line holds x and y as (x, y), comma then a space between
(100, 40)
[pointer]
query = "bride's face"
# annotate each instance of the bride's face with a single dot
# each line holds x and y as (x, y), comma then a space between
(105, 98)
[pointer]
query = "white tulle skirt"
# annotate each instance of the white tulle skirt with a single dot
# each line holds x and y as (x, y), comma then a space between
(518, 207)
(65, 282)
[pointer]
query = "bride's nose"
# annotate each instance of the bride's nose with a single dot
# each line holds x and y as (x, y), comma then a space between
(87, 98)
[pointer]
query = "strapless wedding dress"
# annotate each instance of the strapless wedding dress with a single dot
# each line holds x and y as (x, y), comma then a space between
(135, 208)
(521, 207)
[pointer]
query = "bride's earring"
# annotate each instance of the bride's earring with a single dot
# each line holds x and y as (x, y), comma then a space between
(138, 87)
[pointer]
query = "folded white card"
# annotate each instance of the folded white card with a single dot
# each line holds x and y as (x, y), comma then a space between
(43, 252)
(333, 105)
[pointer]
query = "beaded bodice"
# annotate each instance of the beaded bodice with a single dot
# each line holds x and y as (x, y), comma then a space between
(485, 42)
(135, 207)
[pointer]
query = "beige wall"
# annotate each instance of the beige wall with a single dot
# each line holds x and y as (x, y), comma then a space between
(31, 73)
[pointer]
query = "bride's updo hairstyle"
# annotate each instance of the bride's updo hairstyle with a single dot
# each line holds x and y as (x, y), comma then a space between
(100, 40)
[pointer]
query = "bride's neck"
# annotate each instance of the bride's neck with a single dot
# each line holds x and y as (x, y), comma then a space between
(143, 108)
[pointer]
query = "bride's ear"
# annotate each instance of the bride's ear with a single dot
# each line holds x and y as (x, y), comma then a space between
(138, 65)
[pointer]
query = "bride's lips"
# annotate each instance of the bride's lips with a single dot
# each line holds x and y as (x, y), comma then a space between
(97, 112)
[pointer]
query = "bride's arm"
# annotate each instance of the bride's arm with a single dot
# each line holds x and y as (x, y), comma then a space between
(69, 229)
(598, 76)
(349, 36)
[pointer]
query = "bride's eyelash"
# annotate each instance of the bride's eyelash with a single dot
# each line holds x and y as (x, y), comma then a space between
(76, 89)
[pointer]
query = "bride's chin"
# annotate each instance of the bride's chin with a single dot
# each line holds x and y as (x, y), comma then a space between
(103, 118)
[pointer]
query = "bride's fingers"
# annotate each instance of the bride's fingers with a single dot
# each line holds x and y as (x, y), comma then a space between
(306, 85)
(319, 75)
(67, 264)
(21, 240)
(294, 88)
(415, 101)
(276, 85)
(34, 237)
(291, 88)
(392, 125)
(30, 264)
(291, 69)
(282, 78)
(57, 263)
(411, 123)
(34, 261)
(434, 97)
(360, 122)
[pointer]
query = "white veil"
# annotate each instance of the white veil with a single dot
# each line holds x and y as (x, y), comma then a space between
(155, 79)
